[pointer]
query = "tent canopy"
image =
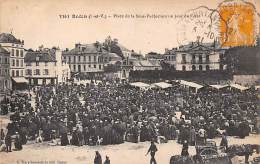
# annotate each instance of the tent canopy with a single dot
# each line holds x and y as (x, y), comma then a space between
(162, 85)
(240, 87)
(140, 85)
(191, 84)
(219, 86)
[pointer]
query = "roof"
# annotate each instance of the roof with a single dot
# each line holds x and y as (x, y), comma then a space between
(162, 85)
(240, 87)
(140, 84)
(43, 56)
(146, 63)
(219, 86)
(8, 38)
(191, 84)
(85, 48)
(123, 48)
(3, 51)
(20, 80)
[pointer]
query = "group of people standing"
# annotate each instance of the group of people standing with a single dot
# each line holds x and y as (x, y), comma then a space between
(111, 113)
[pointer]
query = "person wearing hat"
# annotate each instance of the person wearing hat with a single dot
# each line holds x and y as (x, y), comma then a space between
(8, 142)
(224, 141)
(152, 149)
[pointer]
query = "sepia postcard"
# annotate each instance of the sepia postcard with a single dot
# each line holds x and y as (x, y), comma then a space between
(129, 82)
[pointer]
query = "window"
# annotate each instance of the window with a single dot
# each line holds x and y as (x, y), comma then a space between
(69, 59)
(200, 58)
(37, 63)
(74, 59)
(207, 58)
(79, 68)
(17, 63)
(89, 65)
(6, 61)
(110, 58)
(207, 67)
(84, 67)
(193, 67)
(100, 67)
(200, 67)
(95, 66)
(221, 67)
(184, 68)
(13, 62)
(37, 72)
(84, 58)
(46, 72)
(95, 58)
(21, 63)
(0, 59)
(89, 58)
(12, 52)
(0, 71)
(46, 63)
(21, 72)
(17, 72)
(13, 73)
(74, 67)
(78, 58)
(17, 53)
(6, 72)
(28, 72)
(21, 52)
(183, 58)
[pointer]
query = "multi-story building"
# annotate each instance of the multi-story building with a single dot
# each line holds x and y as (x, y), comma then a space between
(46, 67)
(196, 57)
(5, 80)
(16, 59)
(89, 59)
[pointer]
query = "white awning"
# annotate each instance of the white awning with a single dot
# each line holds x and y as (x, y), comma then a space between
(140, 85)
(257, 87)
(191, 84)
(162, 85)
(219, 86)
(240, 87)
(20, 80)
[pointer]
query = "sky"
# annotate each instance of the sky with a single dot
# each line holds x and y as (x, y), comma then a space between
(39, 22)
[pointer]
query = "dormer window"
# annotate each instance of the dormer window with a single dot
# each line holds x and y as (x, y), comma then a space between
(37, 59)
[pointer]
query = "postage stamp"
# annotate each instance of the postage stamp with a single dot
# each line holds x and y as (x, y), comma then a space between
(237, 24)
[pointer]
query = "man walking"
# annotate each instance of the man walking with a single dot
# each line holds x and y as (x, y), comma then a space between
(153, 149)
(8, 142)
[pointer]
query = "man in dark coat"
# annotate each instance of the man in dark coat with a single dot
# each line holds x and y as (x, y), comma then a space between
(152, 149)
(224, 142)
(8, 142)
(18, 142)
(185, 148)
(98, 158)
(64, 139)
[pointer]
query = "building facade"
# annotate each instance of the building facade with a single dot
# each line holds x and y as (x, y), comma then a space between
(196, 57)
(5, 79)
(46, 67)
(89, 59)
(16, 58)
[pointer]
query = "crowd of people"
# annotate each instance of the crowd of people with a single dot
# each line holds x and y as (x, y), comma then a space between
(112, 113)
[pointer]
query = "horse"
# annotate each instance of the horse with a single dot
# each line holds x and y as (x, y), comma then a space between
(243, 150)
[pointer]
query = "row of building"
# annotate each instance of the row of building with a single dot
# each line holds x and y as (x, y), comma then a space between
(50, 66)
